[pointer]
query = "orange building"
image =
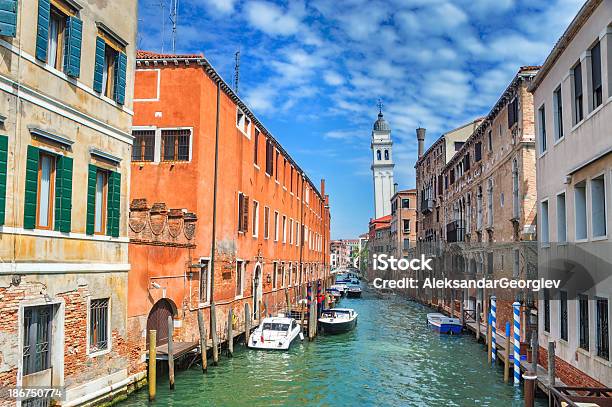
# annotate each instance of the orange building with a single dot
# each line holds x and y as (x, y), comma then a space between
(262, 225)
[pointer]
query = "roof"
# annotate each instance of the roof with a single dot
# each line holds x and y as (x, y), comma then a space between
(443, 137)
(147, 58)
(570, 33)
(381, 124)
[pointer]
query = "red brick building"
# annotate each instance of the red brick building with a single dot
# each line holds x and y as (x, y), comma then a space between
(262, 224)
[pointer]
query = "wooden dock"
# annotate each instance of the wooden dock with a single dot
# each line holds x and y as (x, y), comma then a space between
(180, 349)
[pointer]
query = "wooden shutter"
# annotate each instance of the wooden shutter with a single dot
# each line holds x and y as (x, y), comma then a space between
(120, 77)
(31, 188)
(245, 213)
(8, 18)
(3, 166)
(72, 53)
(42, 37)
(63, 194)
(113, 204)
(99, 64)
(91, 199)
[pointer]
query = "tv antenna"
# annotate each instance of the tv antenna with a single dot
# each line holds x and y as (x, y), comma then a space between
(237, 71)
(163, 30)
(174, 6)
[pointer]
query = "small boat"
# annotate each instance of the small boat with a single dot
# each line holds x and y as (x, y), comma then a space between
(354, 292)
(336, 293)
(385, 293)
(338, 320)
(444, 324)
(275, 333)
(341, 288)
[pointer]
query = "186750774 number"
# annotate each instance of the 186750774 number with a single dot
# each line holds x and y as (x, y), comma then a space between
(24, 393)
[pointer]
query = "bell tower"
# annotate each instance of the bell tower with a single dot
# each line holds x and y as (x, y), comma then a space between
(382, 165)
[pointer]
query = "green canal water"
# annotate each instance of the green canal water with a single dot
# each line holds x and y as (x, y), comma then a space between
(391, 359)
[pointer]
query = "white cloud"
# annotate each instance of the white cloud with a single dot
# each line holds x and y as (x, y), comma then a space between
(333, 78)
(222, 6)
(271, 19)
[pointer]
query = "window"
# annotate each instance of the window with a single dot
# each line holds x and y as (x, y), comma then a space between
(490, 140)
(101, 202)
(558, 112)
(405, 203)
(490, 203)
(598, 206)
(458, 145)
(276, 226)
(406, 225)
(378, 155)
(542, 128)
(55, 47)
(406, 244)
(547, 310)
(603, 333)
(478, 151)
(544, 222)
(266, 222)
(109, 72)
(276, 165)
(297, 233)
(144, 145)
(583, 313)
(243, 213)
(256, 148)
(255, 218)
(516, 268)
(580, 209)
(37, 333)
(240, 271)
(204, 281)
(468, 216)
(387, 155)
(515, 190)
(479, 209)
(284, 229)
(578, 104)
(563, 314)
(561, 219)
(596, 74)
(290, 231)
(175, 144)
(513, 112)
(275, 274)
(269, 157)
(98, 325)
(243, 123)
(46, 188)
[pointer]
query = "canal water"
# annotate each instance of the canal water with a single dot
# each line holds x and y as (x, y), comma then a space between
(391, 359)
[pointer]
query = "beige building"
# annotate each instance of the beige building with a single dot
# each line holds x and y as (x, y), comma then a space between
(403, 223)
(573, 101)
(66, 76)
(379, 242)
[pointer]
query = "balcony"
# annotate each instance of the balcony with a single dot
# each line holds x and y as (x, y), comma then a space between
(455, 231)
(427, 205)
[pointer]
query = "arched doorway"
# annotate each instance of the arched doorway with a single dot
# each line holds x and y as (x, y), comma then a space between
(257, 289)
(158, 320)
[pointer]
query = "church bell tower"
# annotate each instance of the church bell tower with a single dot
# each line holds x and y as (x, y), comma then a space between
(382, 165)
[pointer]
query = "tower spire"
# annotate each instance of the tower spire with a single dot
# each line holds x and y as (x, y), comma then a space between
(380, 106)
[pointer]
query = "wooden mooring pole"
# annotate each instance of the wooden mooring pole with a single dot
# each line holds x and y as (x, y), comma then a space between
(203, 340)
(171, 352)
(462, 309)
(230, 333)
(551, 363)
(534, 351)
(452, 303)
(477, 317)
(247, 323)
(152, 363)
(288, 301)
(529, 383)
(213, 334)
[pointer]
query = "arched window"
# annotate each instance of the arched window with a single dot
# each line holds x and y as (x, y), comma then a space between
(378, 155)
(386, 154)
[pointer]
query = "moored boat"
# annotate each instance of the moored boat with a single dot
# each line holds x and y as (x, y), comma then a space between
(275, 333)
(444, 324)
(338, 320)
(354, 292)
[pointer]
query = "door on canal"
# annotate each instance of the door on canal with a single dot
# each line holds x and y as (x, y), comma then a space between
(257, 289)
(158, 320)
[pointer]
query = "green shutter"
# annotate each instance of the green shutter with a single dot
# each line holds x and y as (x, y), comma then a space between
(3, 165)
(91, 199)
(120, 78)
(113, 204)
(72, 54)
(63, 194)
(31, 188)
(99, 64)
(42, 37)
(8, 18)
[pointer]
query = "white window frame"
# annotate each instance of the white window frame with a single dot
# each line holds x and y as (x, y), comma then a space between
(585, 183)
(559, 128)
(240, 123)
(208, 280)
(544, 243)
(284, 226)
(266, 223)
(605, 206)
(557, 217)
(108, 328)
(276, 225)
(157, 153)
(242, 264)
(542, 134)
(255, 224)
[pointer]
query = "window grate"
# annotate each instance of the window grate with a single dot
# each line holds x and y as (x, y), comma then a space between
(583, 304)
(603, 338)
(37, 339)
(144, 145)
(98, 325)
(175, 144)
(563, 314)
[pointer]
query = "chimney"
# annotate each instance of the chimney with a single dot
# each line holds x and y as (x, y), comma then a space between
(421, 140)
(322, 187)
(395, 188)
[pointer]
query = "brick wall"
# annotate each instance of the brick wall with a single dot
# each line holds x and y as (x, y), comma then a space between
(567, 373)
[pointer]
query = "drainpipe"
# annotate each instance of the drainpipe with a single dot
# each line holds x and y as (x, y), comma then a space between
(214, 217)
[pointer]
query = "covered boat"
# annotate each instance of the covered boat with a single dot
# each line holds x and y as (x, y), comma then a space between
(444, 324)
(275, 333)
(354, 291)
(338, 320)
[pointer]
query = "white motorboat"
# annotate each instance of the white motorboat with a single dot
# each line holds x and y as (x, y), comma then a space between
(275, 333)
(444, 324)
(338, 320)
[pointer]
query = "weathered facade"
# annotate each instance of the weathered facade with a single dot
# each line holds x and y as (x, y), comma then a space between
(379, 242)
(65, 77)
(403, 218)
(263, 227)
(573, 101)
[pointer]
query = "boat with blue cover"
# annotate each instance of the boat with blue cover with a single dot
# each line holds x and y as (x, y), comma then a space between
(444, 324)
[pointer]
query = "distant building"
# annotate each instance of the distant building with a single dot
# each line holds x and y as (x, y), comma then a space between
(403, 222)
(382, 166)
(572, 95)
(379, 241)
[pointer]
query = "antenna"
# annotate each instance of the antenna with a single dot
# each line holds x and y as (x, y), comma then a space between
(237, 71)
(163, 31)
(174, 19)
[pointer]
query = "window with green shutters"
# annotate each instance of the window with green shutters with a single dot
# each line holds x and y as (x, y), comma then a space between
(72, 53)
(110, 70)
(31, 188)
(8, 18)
(103, 201)
(42, 35)
(3, 166)
(63, 194)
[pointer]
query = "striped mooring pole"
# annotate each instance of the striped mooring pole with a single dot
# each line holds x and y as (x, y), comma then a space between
(493, 327)
(516, 306)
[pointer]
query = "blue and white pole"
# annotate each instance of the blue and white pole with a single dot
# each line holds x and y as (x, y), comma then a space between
(493, 327)
(516, 306)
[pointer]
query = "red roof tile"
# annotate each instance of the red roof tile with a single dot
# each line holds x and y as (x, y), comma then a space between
(155, 55)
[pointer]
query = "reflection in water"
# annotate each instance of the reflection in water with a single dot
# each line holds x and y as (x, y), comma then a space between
(391, 359)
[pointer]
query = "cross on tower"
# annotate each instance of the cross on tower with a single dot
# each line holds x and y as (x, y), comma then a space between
(380, 106)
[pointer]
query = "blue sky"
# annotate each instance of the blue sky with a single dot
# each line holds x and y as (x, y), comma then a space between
(313, 71)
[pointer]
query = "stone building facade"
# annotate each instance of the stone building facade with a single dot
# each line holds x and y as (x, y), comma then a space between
(263, 225)
(66, 75)
(573, 111)
(379, 242)
(403, 219)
